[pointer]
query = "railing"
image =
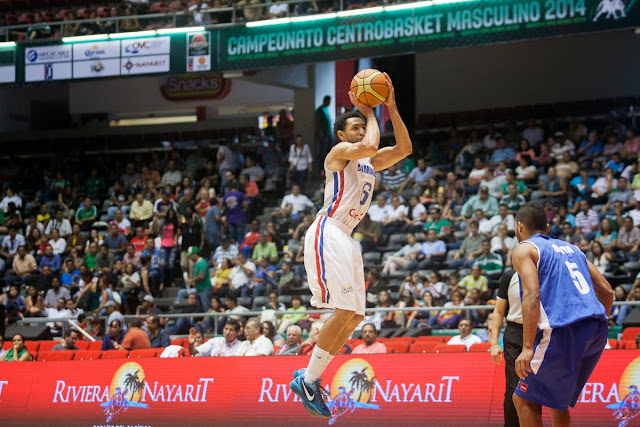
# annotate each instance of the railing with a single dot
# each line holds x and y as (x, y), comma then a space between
(66, 322)
(236, 18)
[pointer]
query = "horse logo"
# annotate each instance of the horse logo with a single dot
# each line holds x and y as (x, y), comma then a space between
(612, 8)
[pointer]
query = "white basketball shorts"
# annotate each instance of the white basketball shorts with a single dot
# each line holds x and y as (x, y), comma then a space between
(334, 266)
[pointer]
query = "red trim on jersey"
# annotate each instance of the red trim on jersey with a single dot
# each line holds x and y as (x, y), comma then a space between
(317, 247)
(339, 194)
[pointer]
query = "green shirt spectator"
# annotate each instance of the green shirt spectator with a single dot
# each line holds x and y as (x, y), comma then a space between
(482, 201)
(295, 314)
(86, 215)
(201, 279)
(491, 264)
(442, 227)
(513, 203)
(520, 186)
(265, 247)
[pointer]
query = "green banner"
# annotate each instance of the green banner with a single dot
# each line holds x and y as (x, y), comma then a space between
(432, 26)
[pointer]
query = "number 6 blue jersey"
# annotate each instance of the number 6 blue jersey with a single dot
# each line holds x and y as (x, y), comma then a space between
(347, 193)
(566, 289)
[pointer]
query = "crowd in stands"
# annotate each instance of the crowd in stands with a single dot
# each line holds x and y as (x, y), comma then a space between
(130, 15)
(215, 231)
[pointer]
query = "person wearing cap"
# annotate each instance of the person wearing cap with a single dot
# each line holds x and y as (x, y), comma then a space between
(482, 201)
(200, 279)
(561, 145)
(113, 313)
(147, 308)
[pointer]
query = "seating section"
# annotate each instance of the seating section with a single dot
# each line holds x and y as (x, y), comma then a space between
(41, 350)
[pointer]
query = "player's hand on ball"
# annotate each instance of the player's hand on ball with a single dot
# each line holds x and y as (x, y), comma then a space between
(496, 354)
(363, 108)
(523, 363)
(391, 97)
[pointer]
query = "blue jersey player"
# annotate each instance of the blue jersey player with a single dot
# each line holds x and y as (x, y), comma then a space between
(565, 301)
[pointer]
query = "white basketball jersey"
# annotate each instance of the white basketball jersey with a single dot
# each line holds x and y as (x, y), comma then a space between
(348, 193)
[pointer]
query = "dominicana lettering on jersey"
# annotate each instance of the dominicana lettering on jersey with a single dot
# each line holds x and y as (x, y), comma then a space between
(366, 169)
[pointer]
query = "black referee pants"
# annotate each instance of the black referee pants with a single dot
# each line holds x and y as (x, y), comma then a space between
(512, 349)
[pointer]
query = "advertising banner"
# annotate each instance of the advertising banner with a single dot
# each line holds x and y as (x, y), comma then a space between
(7, 73)
(145, 65)
(146, 46)
(401, 389)
(47, 54)
(48, 71)
(92, 69)
(187, 87)
(199, 51)
(409, 30)
(96, 50)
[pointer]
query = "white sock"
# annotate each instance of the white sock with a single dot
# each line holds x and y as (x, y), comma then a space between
(319, 360)
(327, 360)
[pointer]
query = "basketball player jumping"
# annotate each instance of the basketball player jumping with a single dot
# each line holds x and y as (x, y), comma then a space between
(331, 257)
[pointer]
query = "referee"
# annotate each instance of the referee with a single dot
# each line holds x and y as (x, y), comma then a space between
(508, 302)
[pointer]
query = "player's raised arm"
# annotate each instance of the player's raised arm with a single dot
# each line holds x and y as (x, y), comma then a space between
(388, 156)
(358, 138)
(601, 287)
(524, 259)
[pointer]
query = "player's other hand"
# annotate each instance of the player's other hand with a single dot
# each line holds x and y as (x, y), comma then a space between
(363, 108)
(523, 363)
(496, 354)
(391, 97)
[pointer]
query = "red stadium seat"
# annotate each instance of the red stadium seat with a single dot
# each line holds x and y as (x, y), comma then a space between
(403, 339)
(423, 347)
(354, 342)
(32, 346)
(397, 347)
(51, 356)
(83, 345)
(114, 354)
(431, 338)
(480, 347)
(87, 355)
(47, 345)
(627, 344)
(143, 353)
(630, 334)
(453, 348)
(613, 343)
(7, 345)
(179, 341)
(95, 345)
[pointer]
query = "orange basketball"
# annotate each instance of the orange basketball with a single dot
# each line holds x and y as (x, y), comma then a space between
(370, 87)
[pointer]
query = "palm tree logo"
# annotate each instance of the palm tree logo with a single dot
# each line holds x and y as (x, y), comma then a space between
(133, 383)
(360, 381)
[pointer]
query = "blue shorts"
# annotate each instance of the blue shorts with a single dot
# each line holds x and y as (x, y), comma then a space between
(563, 361)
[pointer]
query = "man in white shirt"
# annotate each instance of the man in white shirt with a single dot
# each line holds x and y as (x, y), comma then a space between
(11, 197)
(199, 17)
(256, 343)
(172, 176)
(277, 10)
(533, 133)
(241, 273)
(255, 172)
(395, 219)
(232, 307)
(59, 223)
(465, 338)
(59, 312)
(226, 345)
(58, 244)
(418, 176)
(503, 217)
(300, 202)
(300, 159)
(492, 183)
(380, 210)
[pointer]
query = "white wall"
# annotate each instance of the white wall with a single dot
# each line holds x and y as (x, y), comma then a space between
(532, 72)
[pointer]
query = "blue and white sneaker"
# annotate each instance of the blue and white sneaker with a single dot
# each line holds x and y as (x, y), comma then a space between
(311, 396)
(299, 373)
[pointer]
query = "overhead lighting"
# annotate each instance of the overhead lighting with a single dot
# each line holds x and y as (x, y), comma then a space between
(404, 6)
(179, 30)
(7, 45)
(364, 11)
(133, 34)
(314, 17)
(266, 22)
(74, 39)
(146, 121)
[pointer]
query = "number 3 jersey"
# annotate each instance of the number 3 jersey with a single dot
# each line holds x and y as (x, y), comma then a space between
(348, 193)
(566, 289)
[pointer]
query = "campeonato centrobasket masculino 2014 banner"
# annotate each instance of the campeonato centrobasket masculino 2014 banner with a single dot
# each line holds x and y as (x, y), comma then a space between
(401, 389)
